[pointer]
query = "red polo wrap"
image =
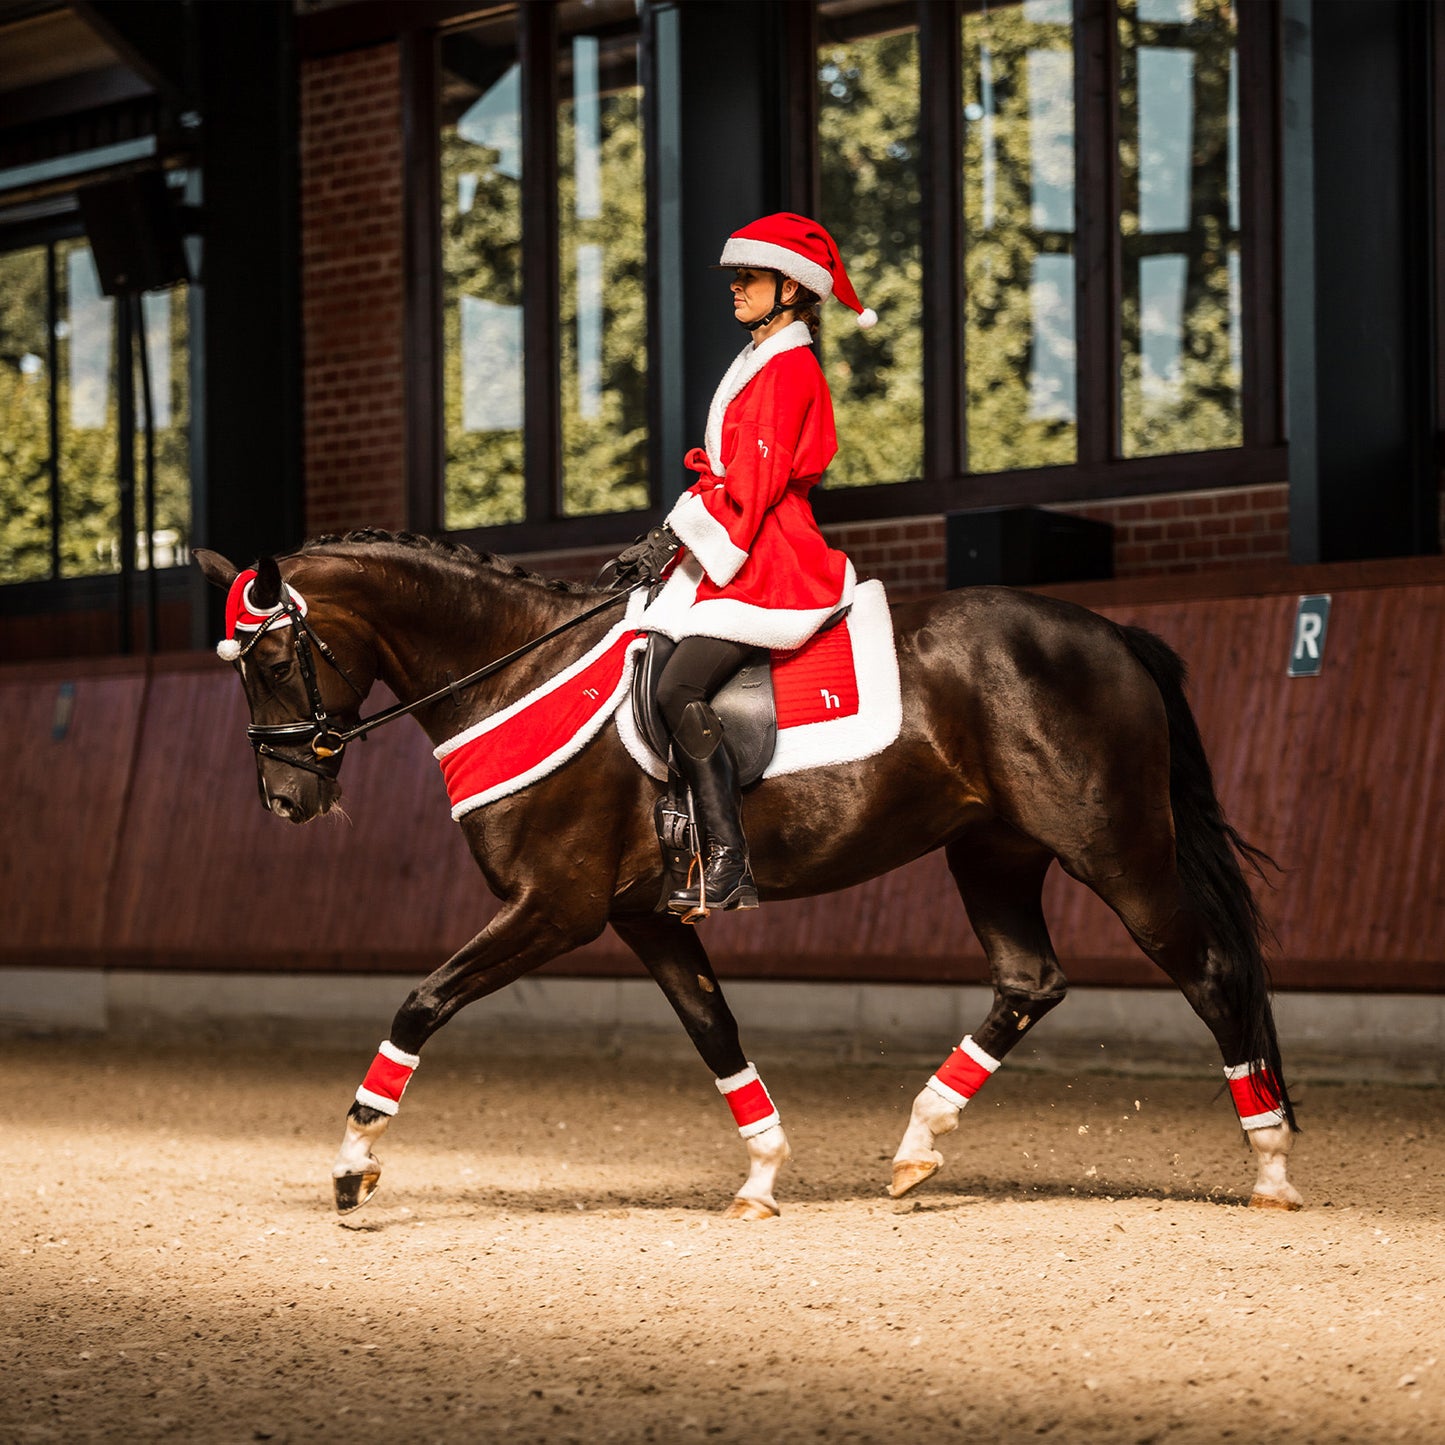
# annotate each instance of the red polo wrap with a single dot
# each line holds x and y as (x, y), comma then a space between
(749, 1103)
(1256, 1093)
(387, 1078)
(962, 1074)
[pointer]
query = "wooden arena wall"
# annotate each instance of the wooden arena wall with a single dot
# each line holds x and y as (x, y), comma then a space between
(133, 837)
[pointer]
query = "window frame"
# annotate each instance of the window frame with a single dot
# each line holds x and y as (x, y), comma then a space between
(1100, 471)
(545, 527)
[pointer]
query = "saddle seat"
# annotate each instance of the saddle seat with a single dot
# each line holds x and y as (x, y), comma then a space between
(744, 703)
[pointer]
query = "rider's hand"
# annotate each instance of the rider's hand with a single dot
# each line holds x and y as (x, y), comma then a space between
(646, 560)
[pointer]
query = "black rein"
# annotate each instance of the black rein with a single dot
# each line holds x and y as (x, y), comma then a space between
(326, 741)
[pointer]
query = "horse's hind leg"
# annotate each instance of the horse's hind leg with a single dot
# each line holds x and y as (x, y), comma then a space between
(676, 959)
(1000, 876)
(1228, 993)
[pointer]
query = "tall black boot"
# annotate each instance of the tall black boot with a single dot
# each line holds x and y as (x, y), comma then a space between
(726, 880)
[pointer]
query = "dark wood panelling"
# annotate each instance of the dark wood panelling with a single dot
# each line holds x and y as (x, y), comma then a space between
(153, 852)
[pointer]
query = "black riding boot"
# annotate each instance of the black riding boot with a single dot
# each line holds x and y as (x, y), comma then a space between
(726, 881)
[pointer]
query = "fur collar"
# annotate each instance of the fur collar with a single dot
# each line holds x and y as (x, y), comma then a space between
(746, 365)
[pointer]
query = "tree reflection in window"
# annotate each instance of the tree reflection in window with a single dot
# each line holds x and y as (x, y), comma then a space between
(868, 142)
(1018, 188)
(481, 200)
(1179, 227)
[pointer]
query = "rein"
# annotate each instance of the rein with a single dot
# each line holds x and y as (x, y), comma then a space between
(326, 741)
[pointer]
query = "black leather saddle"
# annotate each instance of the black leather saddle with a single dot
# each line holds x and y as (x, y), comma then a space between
(744, 704)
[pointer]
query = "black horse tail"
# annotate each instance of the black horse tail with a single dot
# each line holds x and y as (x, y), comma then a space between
(1209, 853)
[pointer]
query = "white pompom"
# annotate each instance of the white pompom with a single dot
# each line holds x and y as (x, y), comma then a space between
(867, 317)
(228, 649)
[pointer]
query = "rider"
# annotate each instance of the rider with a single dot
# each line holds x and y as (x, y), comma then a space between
(753, 570)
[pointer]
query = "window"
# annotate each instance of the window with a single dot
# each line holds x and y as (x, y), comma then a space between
(1064, 216)
(543, 295)
(60, 508)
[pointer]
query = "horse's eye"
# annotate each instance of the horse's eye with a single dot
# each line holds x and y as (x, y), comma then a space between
(279, 670)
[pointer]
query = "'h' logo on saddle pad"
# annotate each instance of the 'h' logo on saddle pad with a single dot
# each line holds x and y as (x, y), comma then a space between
(817, 683)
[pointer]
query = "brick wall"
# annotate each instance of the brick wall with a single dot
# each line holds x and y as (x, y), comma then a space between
(1186, 532)
(353, 283)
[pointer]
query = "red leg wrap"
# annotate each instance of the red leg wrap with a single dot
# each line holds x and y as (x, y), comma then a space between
(753, 1109)
(387, 1078)
(963, 1073)
(1256, 1094)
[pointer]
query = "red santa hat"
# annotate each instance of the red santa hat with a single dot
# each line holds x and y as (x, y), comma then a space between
(244, 615)
(801, 249)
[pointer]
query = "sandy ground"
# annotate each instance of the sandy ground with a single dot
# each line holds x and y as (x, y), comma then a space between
(545, 1259)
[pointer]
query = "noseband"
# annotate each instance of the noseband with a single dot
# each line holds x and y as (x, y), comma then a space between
(325, 740)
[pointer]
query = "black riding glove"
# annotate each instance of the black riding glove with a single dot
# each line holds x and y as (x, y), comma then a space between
(644, 561)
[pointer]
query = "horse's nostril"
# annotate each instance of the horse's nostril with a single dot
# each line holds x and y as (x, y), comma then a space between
(282, 807)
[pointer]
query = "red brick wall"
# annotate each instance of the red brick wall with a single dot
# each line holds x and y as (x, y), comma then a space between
(353, 283)
(1186, 532)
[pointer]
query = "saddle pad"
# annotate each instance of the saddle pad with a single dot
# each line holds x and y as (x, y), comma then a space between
(837, 696)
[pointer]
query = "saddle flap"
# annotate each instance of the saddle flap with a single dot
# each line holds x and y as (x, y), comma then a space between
(744, 703)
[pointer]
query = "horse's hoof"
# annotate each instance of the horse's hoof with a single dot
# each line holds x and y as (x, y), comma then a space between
(353, 1190)
(909, 1173)
(742, 1208)
(1274, 1201)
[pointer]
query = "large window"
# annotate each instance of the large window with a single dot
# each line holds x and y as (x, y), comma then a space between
(1062, 213)
(60, 497)
(543, 283)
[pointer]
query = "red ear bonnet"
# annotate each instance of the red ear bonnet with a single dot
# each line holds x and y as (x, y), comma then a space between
(244, 615)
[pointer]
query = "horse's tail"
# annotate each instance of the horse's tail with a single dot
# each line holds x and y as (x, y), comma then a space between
(1209, 853)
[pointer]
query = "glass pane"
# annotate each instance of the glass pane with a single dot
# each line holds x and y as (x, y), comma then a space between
(167, 353)
(1020, 347)
(868, 152)
(1180, 319)
(85, 356)
(481, 197)
(602, 224)
(25, 406)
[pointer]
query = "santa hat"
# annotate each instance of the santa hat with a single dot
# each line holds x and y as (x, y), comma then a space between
(801, 249)
(243, 614)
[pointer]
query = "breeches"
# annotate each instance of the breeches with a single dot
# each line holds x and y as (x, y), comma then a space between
(696, 670)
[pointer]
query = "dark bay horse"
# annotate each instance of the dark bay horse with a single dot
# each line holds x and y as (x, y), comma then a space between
(1033, 731)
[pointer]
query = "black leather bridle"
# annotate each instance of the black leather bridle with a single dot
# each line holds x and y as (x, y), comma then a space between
(318, 732)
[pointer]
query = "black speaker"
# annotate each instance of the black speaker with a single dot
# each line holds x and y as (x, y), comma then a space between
(135, 233)
(1023, 546)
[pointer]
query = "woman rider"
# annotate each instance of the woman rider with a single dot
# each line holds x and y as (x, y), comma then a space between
(753, 570)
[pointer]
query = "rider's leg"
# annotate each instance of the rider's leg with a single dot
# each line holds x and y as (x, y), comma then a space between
(694, 672)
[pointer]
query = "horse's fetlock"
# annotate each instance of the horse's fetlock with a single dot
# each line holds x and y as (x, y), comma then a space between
(364, 1116)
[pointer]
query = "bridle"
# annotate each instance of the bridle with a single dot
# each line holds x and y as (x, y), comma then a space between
(318, 732)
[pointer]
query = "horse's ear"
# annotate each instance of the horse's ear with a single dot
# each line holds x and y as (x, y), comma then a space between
(219, 572)
(266, 589)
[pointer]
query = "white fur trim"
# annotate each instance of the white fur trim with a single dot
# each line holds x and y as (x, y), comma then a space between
(746, 365)
(760, 1126)
(959, 1101)
(579, 739)
(266, 612)
(1261, 1121)
(983, 1060)
(1243, 1071)
(733, 1082)
(389, 1050)
(379, 1102)
(228, 649)
(706, 538)
(867, 317)
(769, 256)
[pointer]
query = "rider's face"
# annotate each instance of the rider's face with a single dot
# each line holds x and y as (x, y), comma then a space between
(754, 291)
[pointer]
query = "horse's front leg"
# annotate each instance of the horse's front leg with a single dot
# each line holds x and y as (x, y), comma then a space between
(520, 938)
(675, 957)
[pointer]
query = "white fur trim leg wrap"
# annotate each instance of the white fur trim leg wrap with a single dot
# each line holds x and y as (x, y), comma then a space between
(1256, 1094)
(748, 1098)
(964, 1073)
(387, 1078)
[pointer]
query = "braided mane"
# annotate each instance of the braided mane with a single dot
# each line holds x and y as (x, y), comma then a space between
(455, 550)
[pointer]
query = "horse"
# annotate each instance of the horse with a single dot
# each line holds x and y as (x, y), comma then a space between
(1033, 731)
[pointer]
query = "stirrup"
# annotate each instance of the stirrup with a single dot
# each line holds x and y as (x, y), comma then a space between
(744, 894)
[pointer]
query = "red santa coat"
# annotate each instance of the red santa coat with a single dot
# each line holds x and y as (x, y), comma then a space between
(756, 568)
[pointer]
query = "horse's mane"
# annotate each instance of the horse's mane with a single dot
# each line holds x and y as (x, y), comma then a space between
(367, 536)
